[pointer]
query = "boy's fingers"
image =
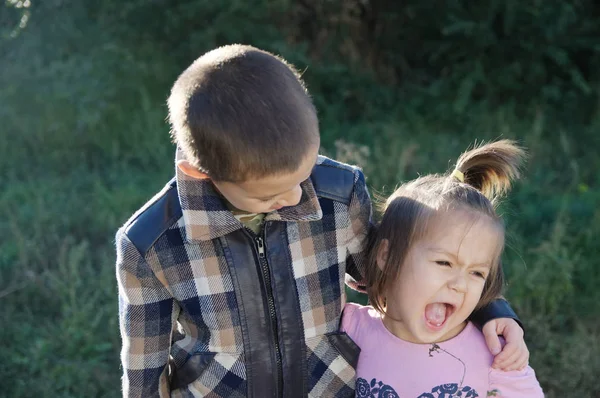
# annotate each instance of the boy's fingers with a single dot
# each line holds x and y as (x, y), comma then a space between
(491, 337)
(524, 360)
(511, 330)
(516, 358)
(508, 356)
(515, 354)
(519, 363)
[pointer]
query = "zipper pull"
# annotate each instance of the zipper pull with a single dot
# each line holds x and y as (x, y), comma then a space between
(261, 247)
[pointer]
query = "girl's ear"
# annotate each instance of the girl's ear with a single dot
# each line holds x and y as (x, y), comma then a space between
(382, 253)
(189, 170)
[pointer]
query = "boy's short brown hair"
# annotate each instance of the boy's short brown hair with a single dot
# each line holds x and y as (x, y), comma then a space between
(239, 112)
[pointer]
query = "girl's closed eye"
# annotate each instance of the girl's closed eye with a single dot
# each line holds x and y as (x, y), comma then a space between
(443, 263)
(479, 274)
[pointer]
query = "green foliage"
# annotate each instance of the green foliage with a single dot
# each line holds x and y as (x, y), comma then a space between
(400, 90)
(496, 51)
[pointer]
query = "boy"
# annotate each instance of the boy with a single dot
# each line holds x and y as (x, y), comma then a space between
(231, 278)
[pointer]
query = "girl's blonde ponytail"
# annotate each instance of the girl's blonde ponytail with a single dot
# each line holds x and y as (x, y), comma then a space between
(490, 168)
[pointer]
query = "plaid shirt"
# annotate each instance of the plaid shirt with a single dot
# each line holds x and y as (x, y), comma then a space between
(208, 308)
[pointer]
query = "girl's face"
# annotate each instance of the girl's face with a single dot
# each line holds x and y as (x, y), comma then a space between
(442, 278)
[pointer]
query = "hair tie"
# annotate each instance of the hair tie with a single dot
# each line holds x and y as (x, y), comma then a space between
(459, 175)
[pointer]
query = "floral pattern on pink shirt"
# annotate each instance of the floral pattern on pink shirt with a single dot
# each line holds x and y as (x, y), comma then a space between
(376, 389)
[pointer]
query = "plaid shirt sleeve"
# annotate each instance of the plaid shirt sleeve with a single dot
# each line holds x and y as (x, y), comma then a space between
(147, 313)
(360, 213)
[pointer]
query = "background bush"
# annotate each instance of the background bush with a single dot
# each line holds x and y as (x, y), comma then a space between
(401, 88)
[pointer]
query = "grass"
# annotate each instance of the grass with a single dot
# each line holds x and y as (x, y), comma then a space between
(82, 148)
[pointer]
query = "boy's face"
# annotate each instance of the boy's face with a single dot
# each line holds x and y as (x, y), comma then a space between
(266, 194)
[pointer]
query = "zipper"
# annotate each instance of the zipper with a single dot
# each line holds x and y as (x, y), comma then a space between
(264, 266)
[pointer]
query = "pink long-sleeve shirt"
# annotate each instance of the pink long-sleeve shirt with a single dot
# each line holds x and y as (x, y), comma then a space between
(460, 367)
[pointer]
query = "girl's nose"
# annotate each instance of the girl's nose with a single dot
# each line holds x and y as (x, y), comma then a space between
(459, 283)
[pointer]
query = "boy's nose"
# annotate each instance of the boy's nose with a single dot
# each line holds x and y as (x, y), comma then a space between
(292, 198)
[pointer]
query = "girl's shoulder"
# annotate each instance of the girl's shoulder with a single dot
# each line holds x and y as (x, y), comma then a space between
(357, 318)
(366, 313)
(515, 383)
(472, 337)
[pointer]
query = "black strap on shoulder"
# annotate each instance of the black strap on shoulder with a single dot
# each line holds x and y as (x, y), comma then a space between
(154, 218)
(333, 183)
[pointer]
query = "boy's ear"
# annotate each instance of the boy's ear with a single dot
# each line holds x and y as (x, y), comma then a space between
(189, 170)
(382, 253)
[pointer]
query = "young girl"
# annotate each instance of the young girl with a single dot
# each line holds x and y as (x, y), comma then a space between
(434, 259)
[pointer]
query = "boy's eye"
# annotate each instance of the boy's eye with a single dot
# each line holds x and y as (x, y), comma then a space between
(266, 200)
(443, 263)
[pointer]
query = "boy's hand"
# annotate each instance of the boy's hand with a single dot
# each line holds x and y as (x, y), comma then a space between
(515, 354)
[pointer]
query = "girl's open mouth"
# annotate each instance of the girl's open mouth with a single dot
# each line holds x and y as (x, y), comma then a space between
(436, 314)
